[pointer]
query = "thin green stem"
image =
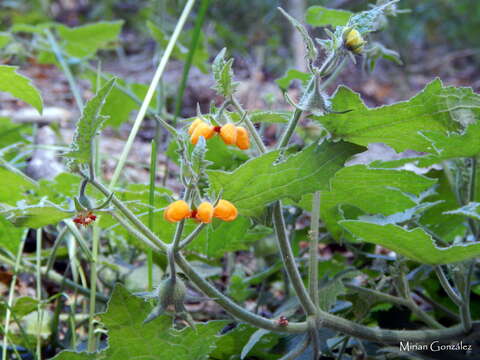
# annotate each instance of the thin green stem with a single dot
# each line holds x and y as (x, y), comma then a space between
(452, 294)
(130, 216)
(151, 203)
(313, 256)
(449, 313)
(251, 128)
(190, 237)
(465, 313)
(38, 274)
(91, 346)
(66, 69)
(52, 275)
(53, 251)
(139, 235)
(292, 124)
(11, 293)
(399, 301)
(289, 261)
(150, 92)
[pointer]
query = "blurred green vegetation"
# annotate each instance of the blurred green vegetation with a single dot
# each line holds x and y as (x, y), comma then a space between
(244, 26)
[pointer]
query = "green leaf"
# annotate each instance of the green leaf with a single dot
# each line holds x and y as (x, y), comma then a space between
(377, 191)
(443, 147)
(34, 216)
(258, 116)
(223, 74)
(20, 86)
(254, 339)
(118, 105)
(286, 80)
(414, 244)
(322, 16)
(129, 338)
(226, 237)
(88, 126)
(437, 219)
(85, 41)
(260, 181)
(10, 235)
(13, 185)
(231, 344)
(402, 125)
(24, 305)
(310, 47)
(13, 132)
(470, 210)
(5, 38)
(370, 20)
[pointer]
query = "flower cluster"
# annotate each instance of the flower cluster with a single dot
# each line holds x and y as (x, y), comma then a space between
(230, 134)
(204, 213)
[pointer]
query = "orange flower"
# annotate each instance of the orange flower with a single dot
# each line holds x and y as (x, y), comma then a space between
(194, 124)
(228, 133)
(204, 212)
(176, 211)
(225, 211)
(243, 141)
(202, 129)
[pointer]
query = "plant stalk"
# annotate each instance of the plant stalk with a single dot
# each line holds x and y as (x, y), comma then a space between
(313, 256)
(150, 92)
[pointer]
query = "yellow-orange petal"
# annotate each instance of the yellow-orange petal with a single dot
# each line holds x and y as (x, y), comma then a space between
(194, 124)
(243, 141)
(202, 129)
(176, 211)
(225, 211)
(228, 133)
(204, 212)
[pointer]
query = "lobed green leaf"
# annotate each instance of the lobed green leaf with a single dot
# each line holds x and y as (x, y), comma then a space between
(260, 181)
(20, 86)
(414, 244)
(89, 124)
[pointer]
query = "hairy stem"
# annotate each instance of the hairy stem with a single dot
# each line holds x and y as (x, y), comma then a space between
(129, 215)
(93, 288)
(313, 256)
(399, 301)
(452, 294)
(251, 128)
(289, 260)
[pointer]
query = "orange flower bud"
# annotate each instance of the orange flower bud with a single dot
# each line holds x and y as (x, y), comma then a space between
(194, 124)
(204, 212)
(225, 211)
(201, 129)
(243, 141)
(176, 211)
(228, 133)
